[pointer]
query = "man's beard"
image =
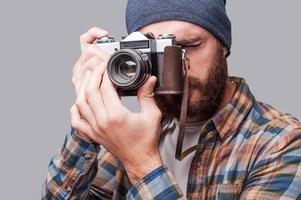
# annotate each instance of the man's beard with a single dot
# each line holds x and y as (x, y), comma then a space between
(207, 95)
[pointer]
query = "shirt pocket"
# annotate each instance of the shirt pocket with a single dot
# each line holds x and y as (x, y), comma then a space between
(228, 191)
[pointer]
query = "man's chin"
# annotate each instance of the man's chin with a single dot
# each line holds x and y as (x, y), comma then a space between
(170, 106)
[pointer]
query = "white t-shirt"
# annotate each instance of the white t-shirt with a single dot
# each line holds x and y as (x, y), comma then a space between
(167, 147)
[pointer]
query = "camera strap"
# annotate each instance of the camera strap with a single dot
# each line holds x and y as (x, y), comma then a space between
(183, 115)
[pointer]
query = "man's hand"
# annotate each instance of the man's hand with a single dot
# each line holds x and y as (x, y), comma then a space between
(91, 56)
(98, 114)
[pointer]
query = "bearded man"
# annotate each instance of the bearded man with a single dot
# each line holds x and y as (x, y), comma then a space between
(238, 148)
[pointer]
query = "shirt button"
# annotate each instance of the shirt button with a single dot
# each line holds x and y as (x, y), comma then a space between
(88, 156)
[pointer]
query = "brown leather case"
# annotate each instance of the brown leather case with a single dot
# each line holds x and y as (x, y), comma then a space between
(172, 80)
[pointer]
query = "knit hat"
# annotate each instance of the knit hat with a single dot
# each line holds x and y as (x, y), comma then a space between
(209, 14)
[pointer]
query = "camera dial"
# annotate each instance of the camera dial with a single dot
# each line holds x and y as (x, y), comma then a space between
(105, 39)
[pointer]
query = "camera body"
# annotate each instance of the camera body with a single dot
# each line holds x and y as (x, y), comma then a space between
(138, 56)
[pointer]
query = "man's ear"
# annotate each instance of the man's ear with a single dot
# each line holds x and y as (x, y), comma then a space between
(225, 51)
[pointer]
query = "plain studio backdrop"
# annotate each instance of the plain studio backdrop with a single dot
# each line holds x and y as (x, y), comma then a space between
(39, 45)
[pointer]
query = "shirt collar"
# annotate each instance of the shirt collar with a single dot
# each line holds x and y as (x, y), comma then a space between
(228, 120)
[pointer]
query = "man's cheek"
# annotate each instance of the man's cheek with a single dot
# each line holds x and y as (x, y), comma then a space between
(194, 96)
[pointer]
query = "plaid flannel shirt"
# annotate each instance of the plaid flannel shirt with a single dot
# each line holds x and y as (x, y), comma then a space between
(248, 150)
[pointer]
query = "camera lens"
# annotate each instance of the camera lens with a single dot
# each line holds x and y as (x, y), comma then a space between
(128, 69)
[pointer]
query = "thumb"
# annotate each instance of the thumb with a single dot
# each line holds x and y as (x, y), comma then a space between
(145, 94)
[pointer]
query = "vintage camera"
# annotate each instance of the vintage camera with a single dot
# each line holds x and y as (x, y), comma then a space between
(138, 56)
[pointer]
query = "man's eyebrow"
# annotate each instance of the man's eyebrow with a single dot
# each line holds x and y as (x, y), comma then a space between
(192, 41)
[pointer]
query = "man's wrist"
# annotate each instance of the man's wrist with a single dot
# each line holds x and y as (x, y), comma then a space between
(78, 153)
(84, 137)
(137, 170)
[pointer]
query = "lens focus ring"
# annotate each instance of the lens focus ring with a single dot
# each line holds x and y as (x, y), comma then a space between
(128, 69)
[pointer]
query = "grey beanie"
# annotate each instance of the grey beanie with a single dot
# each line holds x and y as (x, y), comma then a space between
(209, 14)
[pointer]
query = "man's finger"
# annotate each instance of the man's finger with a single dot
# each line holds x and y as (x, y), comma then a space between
(93, 51)
(89, 37)
(109, 94)
(145, 95)
(94, 97)
(81, 102)
(93, 57)
(79, 124)
(79, 75)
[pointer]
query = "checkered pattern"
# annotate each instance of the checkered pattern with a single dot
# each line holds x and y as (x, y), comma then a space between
(248, 150)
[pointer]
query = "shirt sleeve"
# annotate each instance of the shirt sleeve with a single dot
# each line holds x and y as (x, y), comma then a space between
(277, 173)
(158, 184)
(72, 171)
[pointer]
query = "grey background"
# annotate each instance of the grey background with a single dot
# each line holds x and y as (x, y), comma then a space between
(39, 43)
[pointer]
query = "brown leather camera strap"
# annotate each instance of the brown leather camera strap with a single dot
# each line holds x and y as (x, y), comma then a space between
(183, 116)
